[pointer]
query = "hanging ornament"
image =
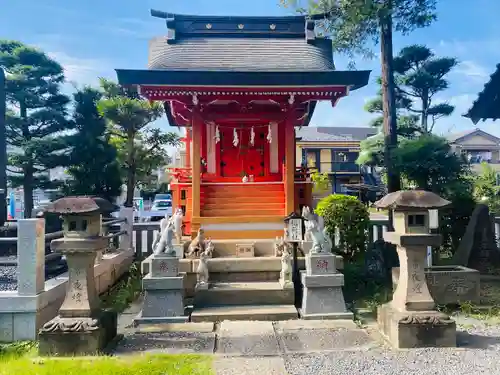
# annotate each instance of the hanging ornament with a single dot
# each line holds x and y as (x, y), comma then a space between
(235, 138)
(252, 137)
(269, 134)
(217, 134)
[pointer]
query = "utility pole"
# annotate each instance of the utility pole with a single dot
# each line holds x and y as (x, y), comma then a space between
(3, 150)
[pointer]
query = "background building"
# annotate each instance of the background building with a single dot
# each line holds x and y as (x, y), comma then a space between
(334, 150)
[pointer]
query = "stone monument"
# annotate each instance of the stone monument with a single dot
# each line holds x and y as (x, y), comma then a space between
(478, 249)
(323, 297)
(81, 328)
(163, 285)
(410, 320)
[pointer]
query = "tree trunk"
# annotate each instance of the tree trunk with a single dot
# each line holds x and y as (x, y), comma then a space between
(389, 102)
(425, 108)
(28, 190)
(3, 151)
(28, 168)
(129, 201)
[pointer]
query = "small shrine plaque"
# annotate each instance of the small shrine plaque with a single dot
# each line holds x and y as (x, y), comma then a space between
(246, 250)
(294, 230)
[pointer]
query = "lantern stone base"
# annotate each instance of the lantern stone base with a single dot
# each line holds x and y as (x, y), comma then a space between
(77, 336)
(416, 329)
(323, 297)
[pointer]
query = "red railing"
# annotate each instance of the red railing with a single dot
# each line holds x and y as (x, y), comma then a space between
(301, 174)
(181, 174)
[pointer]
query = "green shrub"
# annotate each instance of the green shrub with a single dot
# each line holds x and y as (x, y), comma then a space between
(351, 218)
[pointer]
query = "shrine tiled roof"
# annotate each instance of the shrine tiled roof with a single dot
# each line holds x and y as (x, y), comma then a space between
(240, 43)
(241, 54)
(487, 104)
(223, 51)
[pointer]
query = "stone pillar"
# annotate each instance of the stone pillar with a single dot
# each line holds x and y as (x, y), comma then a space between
(30, 257)
(163, 292)
(412, 292)
(127, 240)
(81, 296)
(323, 297)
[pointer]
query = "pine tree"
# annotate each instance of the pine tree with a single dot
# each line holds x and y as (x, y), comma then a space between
(354, 26)
(36, 117)
(94, 168)
(129, 117)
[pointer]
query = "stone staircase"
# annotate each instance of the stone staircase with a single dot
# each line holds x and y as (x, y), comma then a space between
(244, 289)
(243, 200)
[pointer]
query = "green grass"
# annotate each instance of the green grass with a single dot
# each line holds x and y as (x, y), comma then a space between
(124, 292)
(20, 358)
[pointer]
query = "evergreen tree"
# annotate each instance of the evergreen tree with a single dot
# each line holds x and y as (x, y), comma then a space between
(354, 25)
(420, 75)
(36, 117)
(129, 116)
(94, 168)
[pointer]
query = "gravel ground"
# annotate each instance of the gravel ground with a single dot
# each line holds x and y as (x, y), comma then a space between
(478, 353)
(8, 278)
(292, 348)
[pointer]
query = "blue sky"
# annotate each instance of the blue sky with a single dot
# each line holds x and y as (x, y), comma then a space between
(93, 37)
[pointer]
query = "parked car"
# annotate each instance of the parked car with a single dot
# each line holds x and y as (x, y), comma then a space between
(161, 197)
(160, 208)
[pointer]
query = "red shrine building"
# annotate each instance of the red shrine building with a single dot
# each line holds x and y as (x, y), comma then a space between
(240, 86)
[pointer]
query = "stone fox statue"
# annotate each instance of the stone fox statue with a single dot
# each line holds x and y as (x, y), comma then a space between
(319, 236)
(178, 217)
(164, 245)
(197, 245)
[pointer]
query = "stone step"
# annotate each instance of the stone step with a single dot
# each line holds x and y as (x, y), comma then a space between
(229, 203)
(244, 293)
(237, 210)
(244, 312)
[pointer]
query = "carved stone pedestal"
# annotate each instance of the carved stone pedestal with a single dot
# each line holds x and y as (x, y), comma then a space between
(323, 297)
(416, 329)
(163, 293)
(77, 336)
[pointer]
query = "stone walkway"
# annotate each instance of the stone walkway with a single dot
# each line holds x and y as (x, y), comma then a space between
(316, 347)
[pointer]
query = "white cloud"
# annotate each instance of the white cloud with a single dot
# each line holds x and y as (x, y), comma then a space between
(82, 70)
(472, 70)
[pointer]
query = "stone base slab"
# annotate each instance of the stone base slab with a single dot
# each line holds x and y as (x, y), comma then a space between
(141, 320)
(79, 343)
(322, 281)
(322, 295)
(150, 282)
(326, 316)
(413, 329)
(163, 304)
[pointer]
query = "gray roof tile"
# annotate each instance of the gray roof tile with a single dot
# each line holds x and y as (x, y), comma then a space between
(241, 54)
(342, 133)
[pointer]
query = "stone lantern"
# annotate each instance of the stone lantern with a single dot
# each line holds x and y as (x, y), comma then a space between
(81, 328)
(410, 319)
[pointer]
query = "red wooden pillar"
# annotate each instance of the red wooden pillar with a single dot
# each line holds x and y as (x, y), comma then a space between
(196, 126)
(188, 147)
(289, 134)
